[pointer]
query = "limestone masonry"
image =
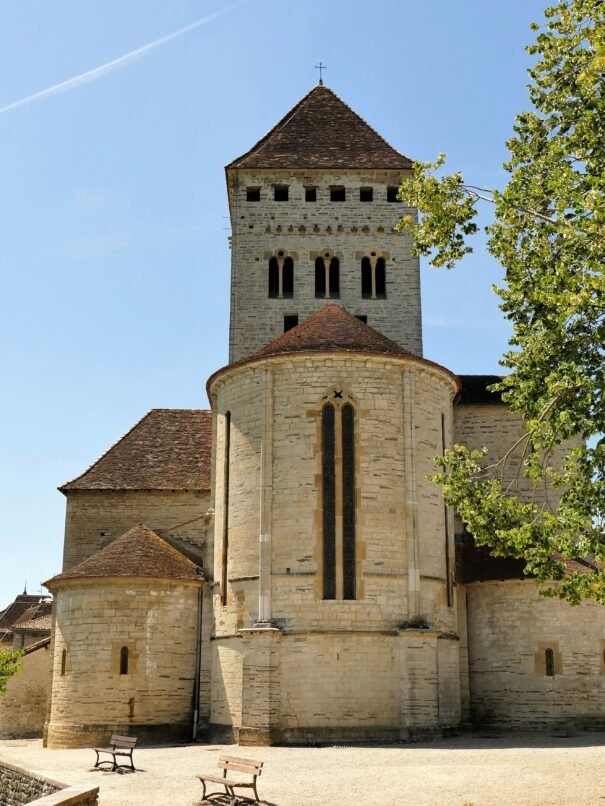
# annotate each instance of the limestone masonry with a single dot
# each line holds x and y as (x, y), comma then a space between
(280, 568)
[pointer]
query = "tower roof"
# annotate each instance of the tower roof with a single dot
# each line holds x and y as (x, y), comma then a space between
(321, 131)
(167, 449)
(137, 553)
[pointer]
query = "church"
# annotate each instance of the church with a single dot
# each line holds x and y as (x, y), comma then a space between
(277, 567)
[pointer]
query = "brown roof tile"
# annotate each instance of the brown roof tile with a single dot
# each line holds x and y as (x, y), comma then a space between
(137, 553)
(34, 624)
(332, 328)
(168, 449)
(24, 607)
(321, 131)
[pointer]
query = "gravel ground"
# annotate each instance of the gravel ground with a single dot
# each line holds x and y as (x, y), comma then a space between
(527, 770)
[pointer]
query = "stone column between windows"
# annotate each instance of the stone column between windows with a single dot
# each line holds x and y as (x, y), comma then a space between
(326, 263)
(411, 523)
(266, 501)
(373, 261)
(280, 274)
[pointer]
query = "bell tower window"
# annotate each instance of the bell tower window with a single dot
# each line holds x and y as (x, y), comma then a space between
(373, 277)
(281, 275)
(280, 193)
(327, 276)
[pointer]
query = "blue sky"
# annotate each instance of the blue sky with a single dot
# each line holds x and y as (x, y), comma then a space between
(114, 262)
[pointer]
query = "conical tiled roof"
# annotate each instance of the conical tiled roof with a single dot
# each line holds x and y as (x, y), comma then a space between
(332, 328)
(137, 553)
(321, 131)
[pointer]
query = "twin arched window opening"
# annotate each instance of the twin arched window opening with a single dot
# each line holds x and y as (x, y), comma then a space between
(281, 276)
(327, 276)
(373, 277)
(338, 572)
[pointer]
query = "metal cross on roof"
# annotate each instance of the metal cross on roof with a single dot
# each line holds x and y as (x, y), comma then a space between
(321, 67)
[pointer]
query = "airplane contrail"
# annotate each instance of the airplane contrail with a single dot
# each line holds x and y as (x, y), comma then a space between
(108, 67)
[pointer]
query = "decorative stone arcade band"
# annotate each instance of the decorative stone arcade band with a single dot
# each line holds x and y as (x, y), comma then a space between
(338, 425)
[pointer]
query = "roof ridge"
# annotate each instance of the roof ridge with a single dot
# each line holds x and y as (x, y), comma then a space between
(103, 455)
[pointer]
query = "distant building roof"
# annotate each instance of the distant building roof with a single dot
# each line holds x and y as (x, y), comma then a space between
(168, 449)
(23, 608)
(475, 390)
(322, 131)
(41, 624)
(140, 552)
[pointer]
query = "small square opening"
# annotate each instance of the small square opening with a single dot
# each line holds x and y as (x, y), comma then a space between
(337, 193)
(280, 193)
(392, 193)
(362, 318)
(310, 194)
(290, 321)
(253, 194)
(366, 194)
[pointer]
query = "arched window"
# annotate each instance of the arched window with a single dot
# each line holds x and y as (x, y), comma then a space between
(288, 278)
(124, 660)
(273, 277)
(327, 275)
(373, 277)
(338, 499)
(348, 500)
(320, 277)
(329, 501)
(281, 275)
(63, 661)
(549, 659)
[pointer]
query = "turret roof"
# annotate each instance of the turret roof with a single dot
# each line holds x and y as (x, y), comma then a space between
(137, 553)
(321, 131)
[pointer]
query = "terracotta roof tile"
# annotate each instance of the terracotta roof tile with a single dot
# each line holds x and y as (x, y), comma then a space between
(139, 552)
(34, 624)
(24, 607)
(332, 328)
(321, 131)
(168, 449)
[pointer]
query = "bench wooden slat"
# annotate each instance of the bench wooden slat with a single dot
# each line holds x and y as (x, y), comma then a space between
(245, 768)
(234, 764)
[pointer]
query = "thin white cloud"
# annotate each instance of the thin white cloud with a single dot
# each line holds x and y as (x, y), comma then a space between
(114, 64)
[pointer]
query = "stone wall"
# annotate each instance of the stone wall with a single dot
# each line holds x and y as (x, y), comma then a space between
(19, 787)
(275, 549)
(156, 619)
(348, 229)
(96, 517)
(23, 707)
(510, 626)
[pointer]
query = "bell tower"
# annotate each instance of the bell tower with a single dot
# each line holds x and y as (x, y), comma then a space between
(313, 210)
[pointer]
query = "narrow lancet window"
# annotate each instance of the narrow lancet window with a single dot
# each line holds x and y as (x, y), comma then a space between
(124, 660)
(366, 278)
(273, 277)
(348, 500)
(63, 661)
(320, 278)
(288, 278)
(549, 659)
(381, 278)
(334, 278)
(329, 502)
(226, 463)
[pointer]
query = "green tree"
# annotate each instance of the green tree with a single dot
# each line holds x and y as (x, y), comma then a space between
(9, 666)
(548, 234)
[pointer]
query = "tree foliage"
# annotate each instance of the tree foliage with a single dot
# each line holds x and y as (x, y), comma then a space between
(9, 666)
(548, 233)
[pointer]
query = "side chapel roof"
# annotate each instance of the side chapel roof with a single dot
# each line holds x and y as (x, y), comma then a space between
(139, 552)
(167, 449)
(322, 131)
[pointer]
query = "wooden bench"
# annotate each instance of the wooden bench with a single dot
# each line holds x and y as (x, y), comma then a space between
(229, 764)
(119, 746)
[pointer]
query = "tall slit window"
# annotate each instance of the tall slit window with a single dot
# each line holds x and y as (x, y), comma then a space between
(63, 662)
(338, 500)
(124, 660)
(373, 277)
(327, 276)
(281, 276)
(549, 659)
(226, 464)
